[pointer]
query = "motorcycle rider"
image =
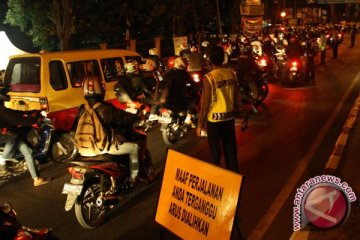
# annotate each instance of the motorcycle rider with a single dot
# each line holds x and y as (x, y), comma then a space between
(118, 122)
(13, 136)
(155, 56)
(179, 95)
(135, 89)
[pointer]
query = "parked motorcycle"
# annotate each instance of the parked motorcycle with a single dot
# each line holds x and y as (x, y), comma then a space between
(98, 183)
(47, 143)
(12, 229)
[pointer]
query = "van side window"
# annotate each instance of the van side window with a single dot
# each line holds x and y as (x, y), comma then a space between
(113, 69)
(57, 75)
(77, 71)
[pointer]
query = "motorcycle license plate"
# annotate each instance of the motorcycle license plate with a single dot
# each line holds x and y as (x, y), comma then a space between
(164, 119)
(72, 189)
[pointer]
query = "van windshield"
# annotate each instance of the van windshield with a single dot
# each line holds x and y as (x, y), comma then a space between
(23, 74)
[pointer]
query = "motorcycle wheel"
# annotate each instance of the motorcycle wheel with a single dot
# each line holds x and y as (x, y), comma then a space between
(87, 212)
(64, 149)
(169, 134)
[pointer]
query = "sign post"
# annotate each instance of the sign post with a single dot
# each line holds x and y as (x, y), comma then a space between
(198, 200)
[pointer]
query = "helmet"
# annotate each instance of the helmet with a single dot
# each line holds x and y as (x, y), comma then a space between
(4, 90)
(93, 86)
(171, 62)
(154, 52)
(205, 43)
(180, 63)
(130, 67)
(148, 65)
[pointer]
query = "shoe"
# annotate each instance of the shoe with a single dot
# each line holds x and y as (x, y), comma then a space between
(41, 181)
(4, 168)
(153, 117)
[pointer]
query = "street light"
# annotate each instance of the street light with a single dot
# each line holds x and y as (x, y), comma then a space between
(283, 14)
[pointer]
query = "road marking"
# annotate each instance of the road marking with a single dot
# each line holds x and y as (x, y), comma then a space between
(273, 211)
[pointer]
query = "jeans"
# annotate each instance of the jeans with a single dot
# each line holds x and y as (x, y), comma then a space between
(10, 149)
(10, 141)
(127, 148)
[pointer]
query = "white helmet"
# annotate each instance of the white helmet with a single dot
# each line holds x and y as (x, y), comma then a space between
(153, 52)
(130, 67)
(180, 63)
(205, 44)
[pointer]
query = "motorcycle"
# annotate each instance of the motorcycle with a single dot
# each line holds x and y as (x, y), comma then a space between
(134, 106)
(98, 183)
(172, 121)
(253, 90)
(47, 144)
(293, 74)
(173, 126)
(11, 228)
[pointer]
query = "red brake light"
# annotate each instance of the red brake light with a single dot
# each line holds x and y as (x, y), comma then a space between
(75, 172)
(196, 77)
(262, 62)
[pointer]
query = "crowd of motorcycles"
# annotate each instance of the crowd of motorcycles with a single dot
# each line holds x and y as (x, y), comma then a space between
(97, 185)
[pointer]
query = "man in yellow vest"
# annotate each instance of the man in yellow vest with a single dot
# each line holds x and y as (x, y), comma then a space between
(217, 113)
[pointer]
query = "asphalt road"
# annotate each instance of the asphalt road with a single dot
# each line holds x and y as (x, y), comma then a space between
(287, 142)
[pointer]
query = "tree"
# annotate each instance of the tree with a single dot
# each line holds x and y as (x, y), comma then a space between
(47, 23)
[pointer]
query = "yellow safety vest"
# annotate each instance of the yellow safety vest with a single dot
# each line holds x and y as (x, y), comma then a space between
(222, 82)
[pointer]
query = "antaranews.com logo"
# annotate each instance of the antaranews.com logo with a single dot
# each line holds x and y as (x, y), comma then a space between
(323, 201)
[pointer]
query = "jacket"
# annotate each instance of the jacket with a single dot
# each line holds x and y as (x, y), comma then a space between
(114, 119)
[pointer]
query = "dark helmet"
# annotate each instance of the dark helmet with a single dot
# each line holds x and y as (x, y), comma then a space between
(4, 90)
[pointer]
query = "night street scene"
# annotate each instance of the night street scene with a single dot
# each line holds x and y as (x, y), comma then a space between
(179, 119)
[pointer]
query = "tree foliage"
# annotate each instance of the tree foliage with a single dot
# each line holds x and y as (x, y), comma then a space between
(63, 24)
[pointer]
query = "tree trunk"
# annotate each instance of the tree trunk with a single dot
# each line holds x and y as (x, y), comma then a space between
(63, 21)
(235, 16)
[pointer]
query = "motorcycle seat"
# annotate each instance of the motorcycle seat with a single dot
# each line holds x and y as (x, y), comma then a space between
(83, 160)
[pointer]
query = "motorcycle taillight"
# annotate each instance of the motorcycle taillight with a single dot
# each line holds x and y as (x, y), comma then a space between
(76, 172)
(262, 62)
(294, 65)
(196, 77)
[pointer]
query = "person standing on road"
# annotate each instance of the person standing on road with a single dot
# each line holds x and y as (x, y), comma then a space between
(322, 47)
(353, 35)
(335, 42)
(217, 111)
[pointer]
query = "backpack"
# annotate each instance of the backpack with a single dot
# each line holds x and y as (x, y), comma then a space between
(91, 136)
